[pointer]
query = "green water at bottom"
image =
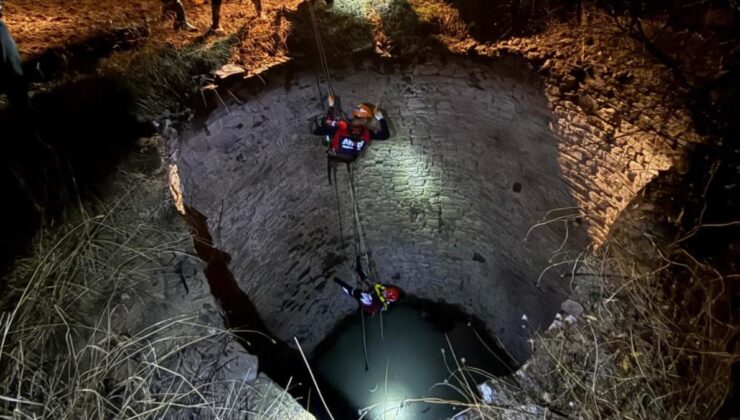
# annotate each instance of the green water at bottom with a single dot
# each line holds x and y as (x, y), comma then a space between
(411, 360)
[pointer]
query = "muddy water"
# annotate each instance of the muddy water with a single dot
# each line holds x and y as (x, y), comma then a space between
(408, 357)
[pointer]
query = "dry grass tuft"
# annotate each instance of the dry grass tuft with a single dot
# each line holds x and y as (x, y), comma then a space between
(649, 345)
(165, 80)
(636, 352)
(72, 345)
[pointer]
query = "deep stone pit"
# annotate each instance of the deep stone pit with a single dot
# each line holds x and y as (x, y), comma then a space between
(471, 166)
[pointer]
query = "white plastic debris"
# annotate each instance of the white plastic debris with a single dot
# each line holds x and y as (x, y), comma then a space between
(486, 392)
(557, 322)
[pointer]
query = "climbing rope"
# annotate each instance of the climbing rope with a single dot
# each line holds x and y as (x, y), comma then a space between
(361, 248)
(364, 340)
(364, 252)
(339, 204)
(320, 47)
(360, 234)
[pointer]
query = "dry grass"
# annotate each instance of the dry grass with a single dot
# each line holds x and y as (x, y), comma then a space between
(74, 344)
(165, 80)
(631, 355)
(637, 352)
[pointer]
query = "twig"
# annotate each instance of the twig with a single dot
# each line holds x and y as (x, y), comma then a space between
(318, 390)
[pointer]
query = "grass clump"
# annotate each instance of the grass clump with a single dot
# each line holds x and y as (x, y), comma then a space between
(653, 342)
(82, 336)
(634, 353)
(164, 80)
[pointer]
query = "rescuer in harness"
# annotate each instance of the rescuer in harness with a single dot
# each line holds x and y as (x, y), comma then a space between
(347, 139)
(377, 298)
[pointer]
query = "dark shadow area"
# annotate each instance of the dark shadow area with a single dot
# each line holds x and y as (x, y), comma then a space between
(711, 218)
(59, 153)
(691, 215)
(338, 32)
(83, 56)
(498, 20)
(695, 40)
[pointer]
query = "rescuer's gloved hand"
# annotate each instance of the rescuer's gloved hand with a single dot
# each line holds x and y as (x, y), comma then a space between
(330, 100)
(378, 115)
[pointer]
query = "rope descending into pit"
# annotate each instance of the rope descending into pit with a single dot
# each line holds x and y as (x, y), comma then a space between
(364, 254)
(361, 248)
(339, 202)
(361, 252)
(323, 60)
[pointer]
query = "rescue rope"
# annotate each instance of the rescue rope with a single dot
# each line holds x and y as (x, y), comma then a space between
(339, 204)
(364, 254)
(320, 47)
(364, 339)
(360, 244)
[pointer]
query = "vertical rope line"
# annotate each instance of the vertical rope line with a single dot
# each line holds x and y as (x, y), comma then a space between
(364, 339)
(320, 47)
(364, 254)
(339, 207)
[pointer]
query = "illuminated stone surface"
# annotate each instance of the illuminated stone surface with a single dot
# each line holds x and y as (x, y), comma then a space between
(434, 196)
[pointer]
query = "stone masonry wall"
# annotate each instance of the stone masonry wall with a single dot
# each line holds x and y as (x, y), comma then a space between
(620, 114)
(446, 202)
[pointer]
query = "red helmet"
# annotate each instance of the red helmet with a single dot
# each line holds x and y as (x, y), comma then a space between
(391, 294)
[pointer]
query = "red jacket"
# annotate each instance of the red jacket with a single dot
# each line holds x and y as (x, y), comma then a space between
(342, 142)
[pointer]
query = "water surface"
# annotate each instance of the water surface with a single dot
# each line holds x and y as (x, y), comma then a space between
(409, 357)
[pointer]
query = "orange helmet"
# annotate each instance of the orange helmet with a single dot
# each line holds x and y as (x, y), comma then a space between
(363, 111)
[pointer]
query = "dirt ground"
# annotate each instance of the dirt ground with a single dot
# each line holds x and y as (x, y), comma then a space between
(41, 25)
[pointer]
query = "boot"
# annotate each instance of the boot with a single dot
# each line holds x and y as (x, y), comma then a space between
(181, 20)
(185, 26)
